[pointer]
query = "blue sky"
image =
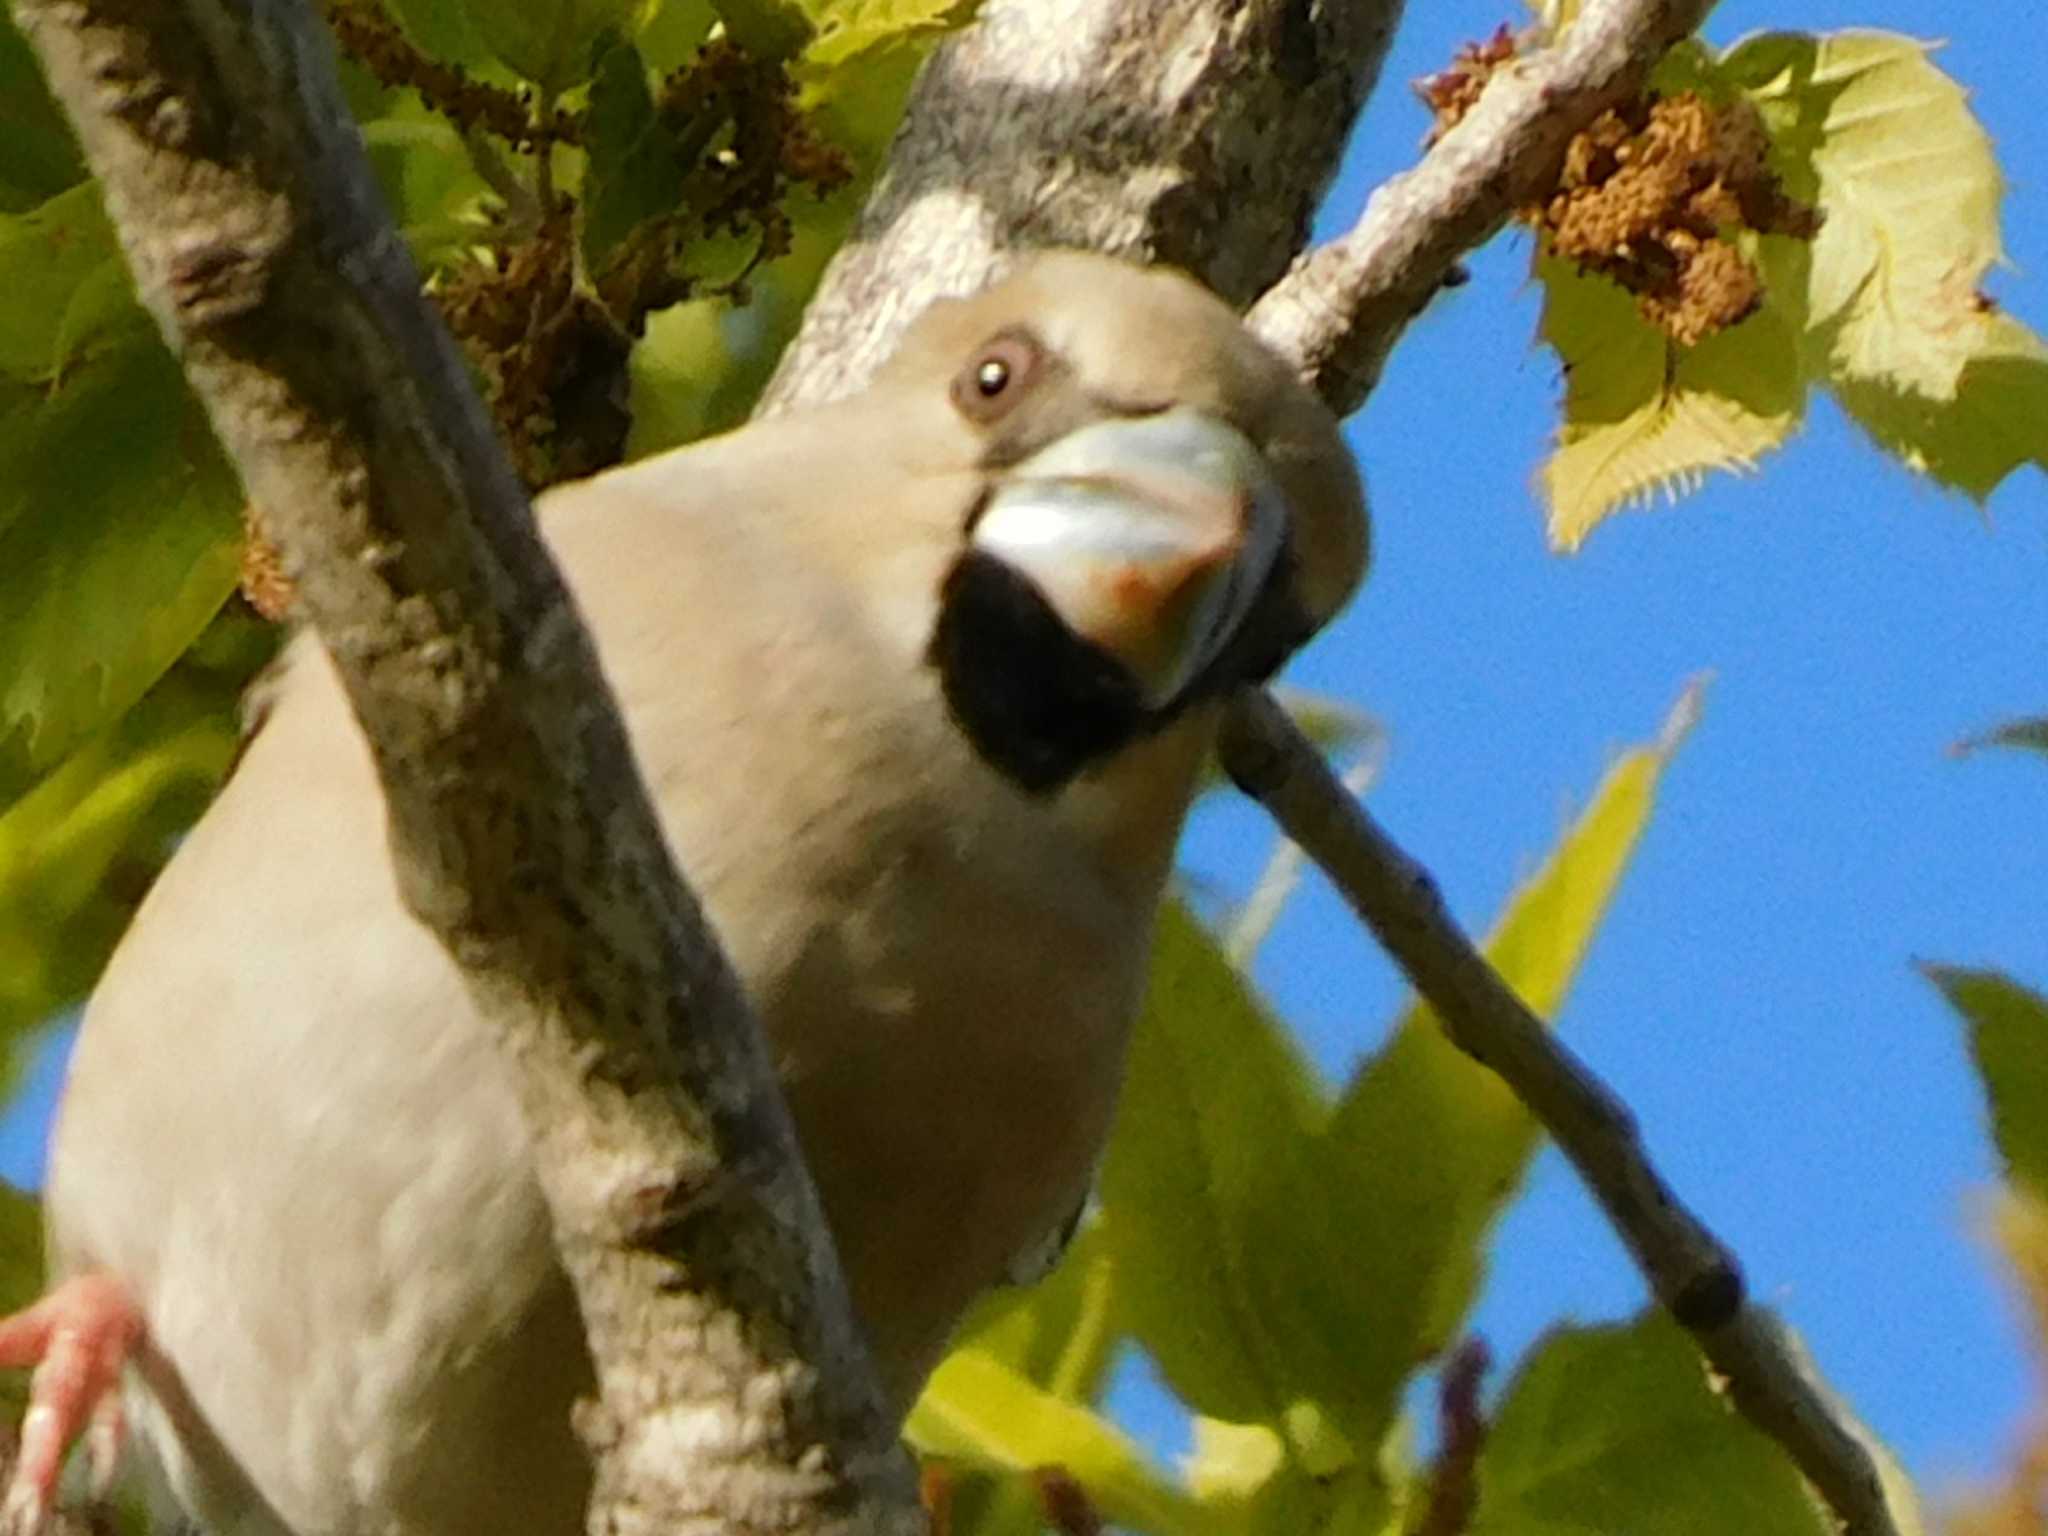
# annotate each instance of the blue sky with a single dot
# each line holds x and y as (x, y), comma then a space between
(1753, 993)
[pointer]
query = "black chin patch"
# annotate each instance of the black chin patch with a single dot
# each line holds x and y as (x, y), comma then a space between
(1039, 703)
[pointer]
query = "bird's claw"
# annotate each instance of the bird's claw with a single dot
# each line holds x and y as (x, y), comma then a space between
(77, 1338)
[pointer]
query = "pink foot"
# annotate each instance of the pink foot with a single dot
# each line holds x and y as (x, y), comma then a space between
(78, 1337)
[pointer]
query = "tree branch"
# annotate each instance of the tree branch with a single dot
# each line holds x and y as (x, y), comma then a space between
(1342, 307)
(1042, 173)
(1199, 133)
(733, 1391)
(1689, 1269)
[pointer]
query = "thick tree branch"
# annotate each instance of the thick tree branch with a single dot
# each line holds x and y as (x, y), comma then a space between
(1200, 133)
(1344, 305)
(1689, 1269)
(734, 1394)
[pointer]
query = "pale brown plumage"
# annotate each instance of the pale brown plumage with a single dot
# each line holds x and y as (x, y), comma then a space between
(287, 1136)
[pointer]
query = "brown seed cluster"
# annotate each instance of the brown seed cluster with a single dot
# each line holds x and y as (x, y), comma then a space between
(550, 349)
(1649, 196)
(366, 35)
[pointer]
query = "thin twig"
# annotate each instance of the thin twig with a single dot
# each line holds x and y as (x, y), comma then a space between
(1453, 1494)
(1344, 304)
(1261, 909)
(1690, 1270)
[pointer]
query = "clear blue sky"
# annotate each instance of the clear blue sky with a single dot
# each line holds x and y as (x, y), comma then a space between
(1753, 994)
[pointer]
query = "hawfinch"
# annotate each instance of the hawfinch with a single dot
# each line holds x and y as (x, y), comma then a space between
(921, 682)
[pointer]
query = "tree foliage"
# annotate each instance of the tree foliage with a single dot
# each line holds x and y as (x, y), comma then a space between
(631, 199)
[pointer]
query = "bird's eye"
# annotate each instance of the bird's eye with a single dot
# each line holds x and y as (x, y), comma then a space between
(995, 376)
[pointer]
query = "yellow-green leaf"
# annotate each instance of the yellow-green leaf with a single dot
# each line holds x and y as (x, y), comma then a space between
(1426, 1146)
(1203, 1187)
(978, 1412)
(1616, 1429)
(1644, 416)
(1061, 1335)
(846, 28)
(2009, 1039)
(1910, 190)
(1905, 178)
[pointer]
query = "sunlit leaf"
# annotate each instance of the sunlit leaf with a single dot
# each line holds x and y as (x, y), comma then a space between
(1427, 1147)
(110, 562)
(2009, 1039)
(1644, 416)
(1203, 1186)
(979, 1413)
(847, 28)
(1905, 178)
(1616, 1429)
(1061, 1335)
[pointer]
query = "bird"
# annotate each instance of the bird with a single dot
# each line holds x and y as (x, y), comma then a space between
(922, 682)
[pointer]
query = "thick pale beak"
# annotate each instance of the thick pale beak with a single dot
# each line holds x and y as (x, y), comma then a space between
(1149, 536)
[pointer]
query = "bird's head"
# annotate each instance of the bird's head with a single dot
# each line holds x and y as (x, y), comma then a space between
(1158, 509)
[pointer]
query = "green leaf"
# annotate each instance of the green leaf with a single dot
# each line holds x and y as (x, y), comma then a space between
(980, 1413)
(21, 1278)
(430, 182)
(547, 41)
(2009, 1039)
(1247, 1479)
(1644, 416)
(1996, 420)
(1427, 1146)
(78, 850)
(1906, 179)
(63, 286)
(1205, 1185)
(38, 157)
(1062, 1336)
(110, 562)
(440, 28)
(847, 28)
(2030, 735)
(767, 29)
(1615, 1429)
(634, 171)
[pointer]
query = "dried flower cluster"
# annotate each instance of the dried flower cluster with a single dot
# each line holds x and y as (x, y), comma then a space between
(550, 340)
(1651, 195)
(368, 37)
(1454, 92)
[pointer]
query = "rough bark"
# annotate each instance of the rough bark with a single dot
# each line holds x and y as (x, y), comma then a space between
(734, 1393)
(1199, 133)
